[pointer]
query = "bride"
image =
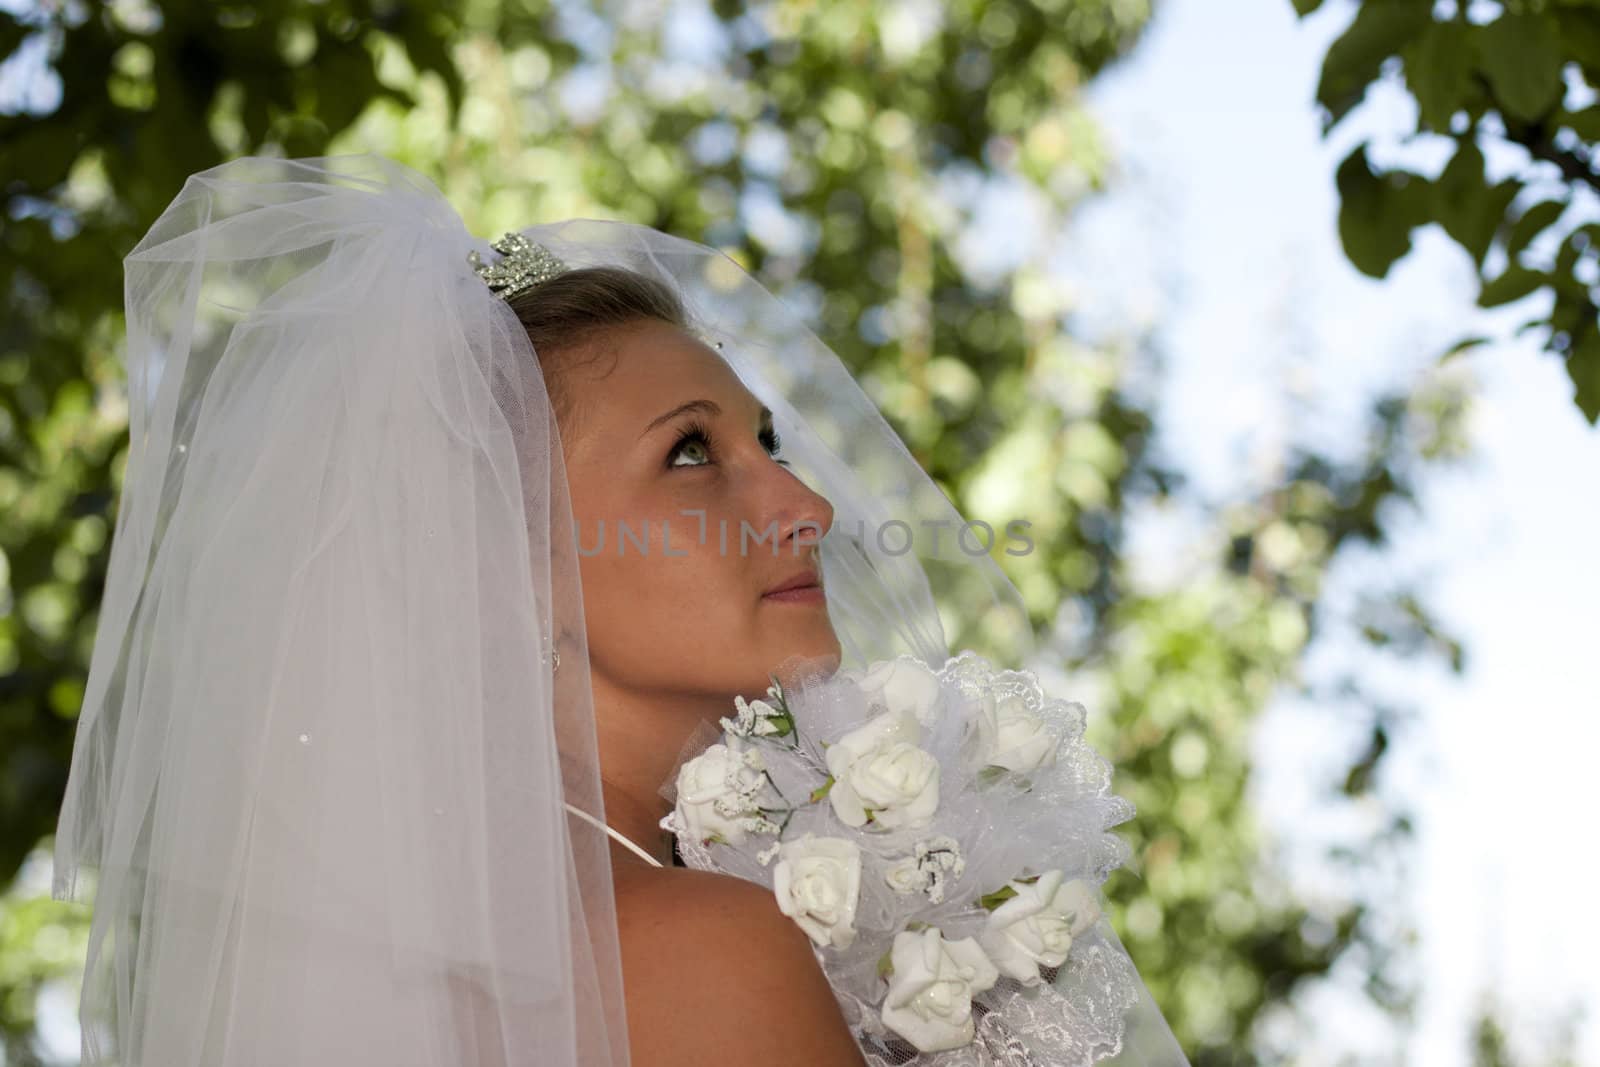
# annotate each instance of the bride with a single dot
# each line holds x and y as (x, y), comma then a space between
(432, 561)
(655, 429)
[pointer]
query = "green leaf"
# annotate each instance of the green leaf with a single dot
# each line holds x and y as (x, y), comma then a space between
(1583, 367)
(1580, 36)
(991, 901)
(40, 154)
(1380, 29)
(1521, 54)
(12, 33)
(426, 36)
(1439, 67)
(257, 114)
(1585, 123)
(1572, 314)
(822, 790)
(1462, 179)
(1462, 345)
(1305, 7)
(1469, 209)
(345, 82)
(781, 700)
(1512, 285)
(1567, 256)
(1533, 222)
(1376, 213)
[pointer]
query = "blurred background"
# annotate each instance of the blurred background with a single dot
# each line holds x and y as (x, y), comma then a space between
(1276, 318)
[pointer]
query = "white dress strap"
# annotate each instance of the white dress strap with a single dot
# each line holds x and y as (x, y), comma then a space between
(592, 821)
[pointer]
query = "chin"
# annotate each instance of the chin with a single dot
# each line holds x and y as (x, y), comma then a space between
(798, 651)
(820, 653)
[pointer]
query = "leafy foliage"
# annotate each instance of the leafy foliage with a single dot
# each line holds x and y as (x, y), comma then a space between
(834, 149)
(1491, 1044)
(1503, 79)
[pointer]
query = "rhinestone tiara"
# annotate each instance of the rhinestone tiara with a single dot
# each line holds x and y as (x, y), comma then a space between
(521, 266)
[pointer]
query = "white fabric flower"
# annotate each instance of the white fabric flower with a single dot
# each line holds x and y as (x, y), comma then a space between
(906, 877)
(878, 771)
(818, 884)
(717, 795)
(902, 685)
(1035, 928)
(1013, 737)
(930, 990)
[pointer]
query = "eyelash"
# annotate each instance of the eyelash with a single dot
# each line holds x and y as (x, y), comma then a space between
(698, 431)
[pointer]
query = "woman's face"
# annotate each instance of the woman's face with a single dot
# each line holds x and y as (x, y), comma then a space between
(670, 459)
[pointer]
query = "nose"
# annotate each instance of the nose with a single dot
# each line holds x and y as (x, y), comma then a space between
(805, 515)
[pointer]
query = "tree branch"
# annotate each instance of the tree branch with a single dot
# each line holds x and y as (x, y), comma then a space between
(1575, 166)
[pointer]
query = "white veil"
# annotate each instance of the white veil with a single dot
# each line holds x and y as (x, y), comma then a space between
(317, 790)
(317, 766)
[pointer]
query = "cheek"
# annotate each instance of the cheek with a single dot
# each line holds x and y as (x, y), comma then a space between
(692, 596)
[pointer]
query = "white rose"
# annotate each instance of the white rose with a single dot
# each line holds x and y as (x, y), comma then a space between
(930, 990)
(1035, 928)
(818, 883)
(1013, 737)
(716, 794)
(902, 685)
(879, 771)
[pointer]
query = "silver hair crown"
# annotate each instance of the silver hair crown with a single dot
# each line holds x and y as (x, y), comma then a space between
(521, 266)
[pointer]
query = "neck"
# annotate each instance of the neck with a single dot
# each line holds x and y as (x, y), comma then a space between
(640, 737)
(631, 816)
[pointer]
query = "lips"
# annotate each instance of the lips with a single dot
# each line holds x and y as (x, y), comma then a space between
(805, 579)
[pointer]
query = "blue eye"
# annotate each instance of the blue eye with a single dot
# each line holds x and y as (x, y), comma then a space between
(696, 437)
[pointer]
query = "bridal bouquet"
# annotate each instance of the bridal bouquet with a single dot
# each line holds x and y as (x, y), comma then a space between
(941, 836)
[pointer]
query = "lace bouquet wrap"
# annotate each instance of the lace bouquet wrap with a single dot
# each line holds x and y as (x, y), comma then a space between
(941, 835)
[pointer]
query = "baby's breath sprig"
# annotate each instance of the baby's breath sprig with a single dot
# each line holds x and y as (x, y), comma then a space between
(937, 861)
(762, 718)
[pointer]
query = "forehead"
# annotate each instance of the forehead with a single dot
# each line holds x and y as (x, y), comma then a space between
(647, 369)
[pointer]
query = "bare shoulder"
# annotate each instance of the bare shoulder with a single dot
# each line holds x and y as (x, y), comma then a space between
(713, 971)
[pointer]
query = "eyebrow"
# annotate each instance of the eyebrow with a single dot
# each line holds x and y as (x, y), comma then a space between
(709, 407)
